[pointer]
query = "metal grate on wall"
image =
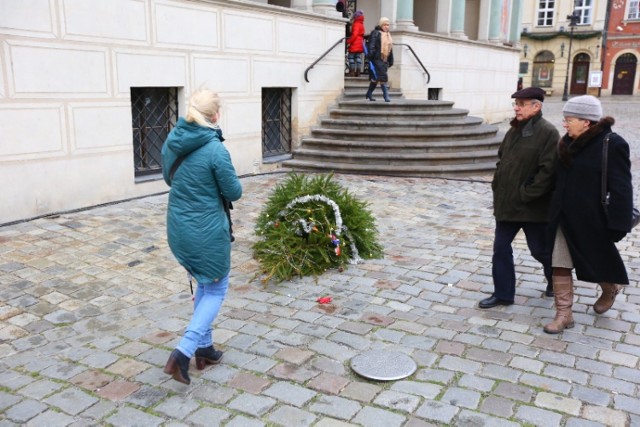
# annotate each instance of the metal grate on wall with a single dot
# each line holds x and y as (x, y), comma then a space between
(155, 113)
(434, 93)
(276, 121)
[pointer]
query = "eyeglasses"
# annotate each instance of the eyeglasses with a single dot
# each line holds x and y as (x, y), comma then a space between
(521, 104)
(569, 121)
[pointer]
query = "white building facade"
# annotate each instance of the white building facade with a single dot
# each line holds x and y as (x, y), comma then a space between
(89, 89)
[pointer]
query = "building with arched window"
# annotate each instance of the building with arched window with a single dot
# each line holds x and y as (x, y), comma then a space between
(565, 38)
(596, 52)
(542, 75)
(621, 75)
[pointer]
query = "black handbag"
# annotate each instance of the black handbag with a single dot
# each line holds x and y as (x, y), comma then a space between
(635, 213)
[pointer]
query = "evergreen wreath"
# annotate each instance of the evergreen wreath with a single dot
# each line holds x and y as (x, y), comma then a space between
(311, 224)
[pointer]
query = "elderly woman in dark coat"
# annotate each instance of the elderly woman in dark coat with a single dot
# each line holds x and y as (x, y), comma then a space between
(585, 232)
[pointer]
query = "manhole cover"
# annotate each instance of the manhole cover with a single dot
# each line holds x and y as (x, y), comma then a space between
(383, 365)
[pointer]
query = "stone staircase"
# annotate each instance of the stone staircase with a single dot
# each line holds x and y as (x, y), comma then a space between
(421, 138)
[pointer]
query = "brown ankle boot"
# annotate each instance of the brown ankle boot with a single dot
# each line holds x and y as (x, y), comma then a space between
(178, 367)
(563, 294)
(605, 302)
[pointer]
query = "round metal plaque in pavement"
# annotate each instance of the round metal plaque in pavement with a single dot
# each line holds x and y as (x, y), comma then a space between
(383, 365)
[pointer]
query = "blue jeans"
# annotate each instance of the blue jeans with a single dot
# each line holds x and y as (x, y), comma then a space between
(355, 61)
(207, 303)
(503, 269)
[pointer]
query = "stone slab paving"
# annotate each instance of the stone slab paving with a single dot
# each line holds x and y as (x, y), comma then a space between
(92, 302)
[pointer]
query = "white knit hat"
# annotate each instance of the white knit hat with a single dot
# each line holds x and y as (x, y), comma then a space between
(585, 107)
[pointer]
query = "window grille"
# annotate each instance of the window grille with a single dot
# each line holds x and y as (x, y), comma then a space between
(276, 121)
(155, 113)
(627, 58)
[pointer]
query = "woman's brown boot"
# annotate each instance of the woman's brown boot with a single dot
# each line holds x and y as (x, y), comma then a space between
(207, 356)
(563, 294)
(178, 367)
(605, 302)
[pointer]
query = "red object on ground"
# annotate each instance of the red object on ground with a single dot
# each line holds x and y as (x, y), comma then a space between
(324, 300)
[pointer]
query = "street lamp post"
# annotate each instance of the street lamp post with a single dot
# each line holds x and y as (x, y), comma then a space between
(573, 20)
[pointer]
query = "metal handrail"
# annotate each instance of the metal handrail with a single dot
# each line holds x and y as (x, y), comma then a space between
(417, 59)
(322, 56)
(306, 72)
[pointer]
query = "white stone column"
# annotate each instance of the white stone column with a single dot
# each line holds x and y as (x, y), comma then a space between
(404, 19)
(326, 7)
(484, 19)
(443, 19)
(304, 5)
(389, 9)
(495, 21)
(516, 22)
(457, 19)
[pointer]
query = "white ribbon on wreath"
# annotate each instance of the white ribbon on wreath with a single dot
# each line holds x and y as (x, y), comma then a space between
(340, 227)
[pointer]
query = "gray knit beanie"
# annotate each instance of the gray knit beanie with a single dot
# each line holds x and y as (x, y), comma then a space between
(585, 107)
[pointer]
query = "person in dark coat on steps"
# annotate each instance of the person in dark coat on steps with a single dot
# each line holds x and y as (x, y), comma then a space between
(584, 232)
(380, 55)
(522, 185)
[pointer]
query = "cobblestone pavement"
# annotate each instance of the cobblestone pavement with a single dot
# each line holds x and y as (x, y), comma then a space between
(92, 302)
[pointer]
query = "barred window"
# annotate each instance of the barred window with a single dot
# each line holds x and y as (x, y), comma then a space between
(276, 122)
(155, 112)
(545, 13)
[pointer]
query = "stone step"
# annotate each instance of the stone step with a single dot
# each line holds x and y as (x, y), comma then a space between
(405, 125)
(404, 137)
(395, 115)
(442, 171)
(360, 83)
(398, 158)
(351, 92)
(362, 79)
(394, 146)
(396, 105)
(428, 134)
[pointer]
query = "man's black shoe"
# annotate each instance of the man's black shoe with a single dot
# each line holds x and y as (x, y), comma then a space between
(492, 301)
(549, 291)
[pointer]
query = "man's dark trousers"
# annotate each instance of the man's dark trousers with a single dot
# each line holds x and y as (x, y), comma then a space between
(503, 269)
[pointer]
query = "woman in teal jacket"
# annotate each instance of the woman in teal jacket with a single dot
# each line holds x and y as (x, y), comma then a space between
(198, 168)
